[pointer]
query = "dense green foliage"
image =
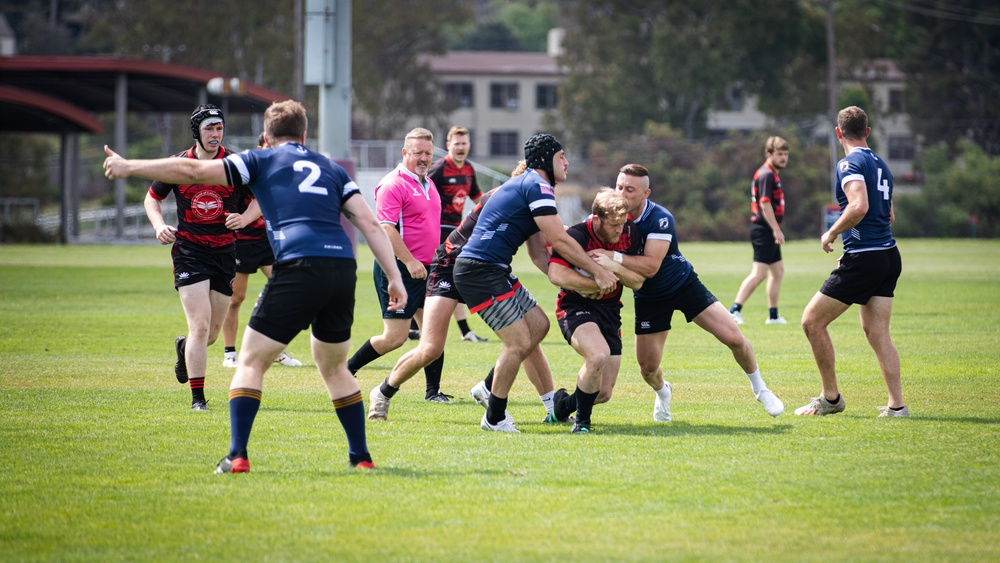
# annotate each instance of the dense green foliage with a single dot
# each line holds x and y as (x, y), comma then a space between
(102, 460)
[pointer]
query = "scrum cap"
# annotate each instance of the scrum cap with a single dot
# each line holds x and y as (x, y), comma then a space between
(539, 150)
(205, 114)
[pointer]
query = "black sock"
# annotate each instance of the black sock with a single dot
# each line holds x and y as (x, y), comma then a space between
(365, 355)
(489, 381)
(897, 409)
(387, 389)
(197, 389)
(565, 404)
(736, 308)
(413, 324)
(432, 373)
(497, 411)
(584, 405)
(230, 349)
(463, 325)
(773, 312)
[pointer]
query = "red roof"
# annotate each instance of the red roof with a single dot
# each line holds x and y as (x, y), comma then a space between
(88, 84)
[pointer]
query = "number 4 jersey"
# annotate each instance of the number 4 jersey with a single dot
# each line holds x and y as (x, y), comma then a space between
(300, 193)
(873, 232)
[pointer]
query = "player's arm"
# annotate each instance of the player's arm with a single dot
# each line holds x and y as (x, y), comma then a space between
(645, 264)
(554, 231)
(359, 214)
(629, 279)
(168, 170)
(568, 278)
(413, 266)
(767, 212)
(154, 212)
(236, 221)
(537, 252)
(854, 212)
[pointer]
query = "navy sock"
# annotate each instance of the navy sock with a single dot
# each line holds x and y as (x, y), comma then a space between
(737, 307)
(773, 312)
(365, 355)
(243, 407)
(432, 373)
(351, 412)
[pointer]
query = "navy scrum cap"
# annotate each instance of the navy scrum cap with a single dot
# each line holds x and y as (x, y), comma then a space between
(539, 150)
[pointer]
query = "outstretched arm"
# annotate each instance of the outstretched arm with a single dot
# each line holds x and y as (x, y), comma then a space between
(168, 170)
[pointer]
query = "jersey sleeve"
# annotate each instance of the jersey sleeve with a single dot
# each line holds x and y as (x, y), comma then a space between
(240, 168)
(541, 200)
(159, 190)
(388, 203)
(850, 171)
(766, 185)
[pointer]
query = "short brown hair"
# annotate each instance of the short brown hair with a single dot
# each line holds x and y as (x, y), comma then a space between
(853, 123)
(456, 130)
(609, 205)
(636, 170)
(285, 120)
(775, 143)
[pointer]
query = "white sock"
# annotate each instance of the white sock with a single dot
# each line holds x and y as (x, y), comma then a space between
(664, 392)
(547, 401)
(756, 383)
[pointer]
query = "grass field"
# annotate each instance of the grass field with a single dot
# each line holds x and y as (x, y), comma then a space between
(100, 458)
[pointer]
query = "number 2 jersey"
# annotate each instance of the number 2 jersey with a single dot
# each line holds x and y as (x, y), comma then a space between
(301, 194)
(873, 232)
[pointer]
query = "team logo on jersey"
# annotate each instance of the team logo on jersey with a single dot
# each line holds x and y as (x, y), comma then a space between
(206, 205)
(844, 165)
(664, 222)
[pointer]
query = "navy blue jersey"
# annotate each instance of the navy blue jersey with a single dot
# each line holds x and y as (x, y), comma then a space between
(508, 218)
(300, 193)
(656, 223)
(873, 232)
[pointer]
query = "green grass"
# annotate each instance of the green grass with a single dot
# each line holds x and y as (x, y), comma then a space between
(100, 458)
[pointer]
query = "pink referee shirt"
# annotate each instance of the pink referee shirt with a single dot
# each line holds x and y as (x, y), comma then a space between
(414, 209)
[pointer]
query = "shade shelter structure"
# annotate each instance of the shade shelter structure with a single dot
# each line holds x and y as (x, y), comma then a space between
(63, 95)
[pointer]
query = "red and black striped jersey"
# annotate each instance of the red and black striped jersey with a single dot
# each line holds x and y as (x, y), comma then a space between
(630, 242)
(455, 186)
(766, 186)
(202, 209)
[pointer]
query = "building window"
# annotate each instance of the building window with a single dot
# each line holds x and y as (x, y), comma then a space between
(503, 143)
(505, 95)
(896, 100)
(546, 96)
(458, 95)
(901, 148)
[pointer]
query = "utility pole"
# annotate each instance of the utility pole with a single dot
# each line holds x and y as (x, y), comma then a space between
(831, 69)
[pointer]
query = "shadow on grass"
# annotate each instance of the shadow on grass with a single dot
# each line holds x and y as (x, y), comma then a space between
(683, 428)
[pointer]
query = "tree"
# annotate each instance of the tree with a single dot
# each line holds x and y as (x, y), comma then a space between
(953, 72)
(641, 60)
(390, 83)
